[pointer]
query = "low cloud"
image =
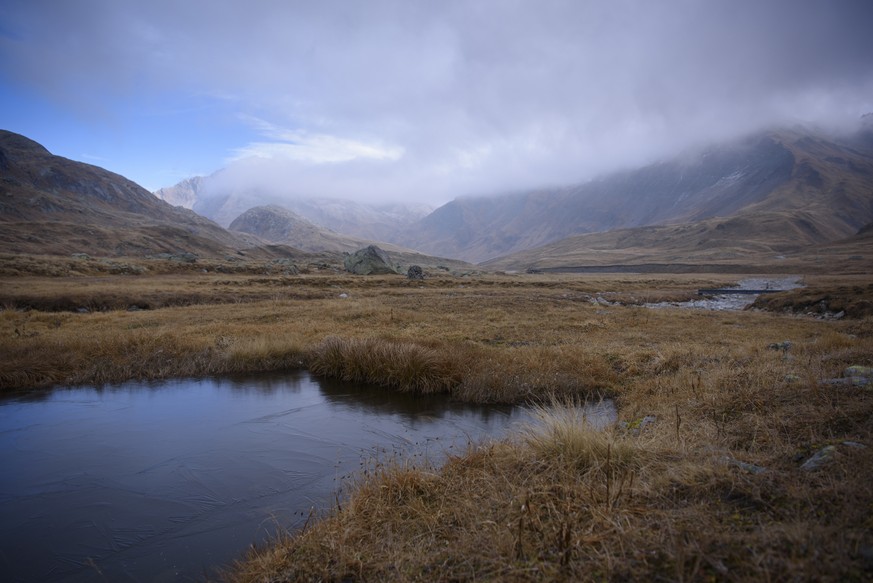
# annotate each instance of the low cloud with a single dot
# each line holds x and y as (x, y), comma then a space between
(431, 100)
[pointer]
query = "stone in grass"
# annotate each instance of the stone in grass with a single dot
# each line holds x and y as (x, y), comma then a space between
(368, 261)
(858, 376)
(819, 459)
(751, 468)
(637, 425)
(415, 272)
(855, 444)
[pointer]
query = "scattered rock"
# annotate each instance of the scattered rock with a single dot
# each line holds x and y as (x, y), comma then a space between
(855, 444)
(853, 376)
(820, 458)
(287, 266)
(80, 256)
(751, 468)
(858, 371)
(183, 257)
(791, 378)
(784, 346)
(368, 261)
(414, 272)
(637, 425)
(343, 296)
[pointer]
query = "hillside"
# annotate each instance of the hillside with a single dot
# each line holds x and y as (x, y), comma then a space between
(824, 185)
(211, 197)
(743, 244)
(52, 205)
(805, 222)
(282, 226)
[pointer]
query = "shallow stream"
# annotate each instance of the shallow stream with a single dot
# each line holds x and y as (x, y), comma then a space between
(167, 481)
(735, 301)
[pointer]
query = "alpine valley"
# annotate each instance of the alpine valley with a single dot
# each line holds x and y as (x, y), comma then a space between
(782, 200)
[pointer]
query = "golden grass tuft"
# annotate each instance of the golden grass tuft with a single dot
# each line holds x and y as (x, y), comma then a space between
(564, 434)
(402, 365)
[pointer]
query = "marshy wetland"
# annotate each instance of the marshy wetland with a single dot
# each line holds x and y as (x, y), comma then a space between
(702, 476)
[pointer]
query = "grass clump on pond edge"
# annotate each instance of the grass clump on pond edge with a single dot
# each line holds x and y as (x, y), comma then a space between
(562, 501)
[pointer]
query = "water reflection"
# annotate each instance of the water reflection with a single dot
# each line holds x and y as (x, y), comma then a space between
(409, 405)
(164, 481)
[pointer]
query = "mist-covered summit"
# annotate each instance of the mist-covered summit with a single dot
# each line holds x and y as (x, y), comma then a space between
(210, 197)
(795, 184)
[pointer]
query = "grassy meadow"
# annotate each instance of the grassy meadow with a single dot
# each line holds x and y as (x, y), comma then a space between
(702, 480)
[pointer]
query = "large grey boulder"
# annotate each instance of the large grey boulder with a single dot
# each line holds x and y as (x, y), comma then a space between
(415, 272)
(368, 261)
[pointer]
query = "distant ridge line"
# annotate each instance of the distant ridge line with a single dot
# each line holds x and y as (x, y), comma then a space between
(733, 290)
(662, 268)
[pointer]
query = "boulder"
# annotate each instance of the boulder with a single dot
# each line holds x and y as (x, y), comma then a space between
(822, 457)
(368, 261)
(414, 272)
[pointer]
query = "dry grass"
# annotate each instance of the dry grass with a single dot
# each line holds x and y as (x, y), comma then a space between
(855, 299)
(565, 502)
(401, 365)
(675, 500)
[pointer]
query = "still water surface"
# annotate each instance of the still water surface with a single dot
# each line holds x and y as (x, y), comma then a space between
(166, 481)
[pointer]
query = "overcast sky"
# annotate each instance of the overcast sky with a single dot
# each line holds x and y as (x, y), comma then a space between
(404, 99)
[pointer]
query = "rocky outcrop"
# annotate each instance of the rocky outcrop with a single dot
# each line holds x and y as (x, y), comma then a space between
(369, 261)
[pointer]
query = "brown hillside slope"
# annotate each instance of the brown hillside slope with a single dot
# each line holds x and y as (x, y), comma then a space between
(827, 178)
(52, 205)
(826, 200)
(765, 242)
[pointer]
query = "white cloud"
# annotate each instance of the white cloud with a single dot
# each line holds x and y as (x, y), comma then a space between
(302, 146)
(399, 98)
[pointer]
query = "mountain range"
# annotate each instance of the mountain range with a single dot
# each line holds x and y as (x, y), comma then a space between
(787, 188)
(769, 200)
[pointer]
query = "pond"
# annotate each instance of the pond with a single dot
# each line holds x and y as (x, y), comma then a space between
(168, 481)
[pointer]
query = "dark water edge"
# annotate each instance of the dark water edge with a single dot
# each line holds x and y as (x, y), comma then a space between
(671, 268)
(168, 481)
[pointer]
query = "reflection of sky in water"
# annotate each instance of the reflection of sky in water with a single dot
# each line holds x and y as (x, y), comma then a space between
(164, 480)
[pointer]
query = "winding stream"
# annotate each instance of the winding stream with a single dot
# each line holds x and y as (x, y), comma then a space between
(166, 481)
(735, 302)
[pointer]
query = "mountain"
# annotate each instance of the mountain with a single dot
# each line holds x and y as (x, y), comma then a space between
(373, 221)
(822, 183)
(52, 205)
(184, 194)
(817, 218)
(210, 197)
(279, 225)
